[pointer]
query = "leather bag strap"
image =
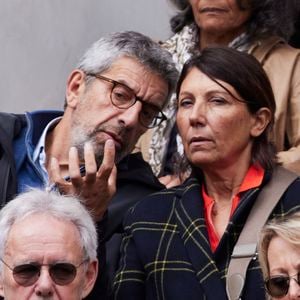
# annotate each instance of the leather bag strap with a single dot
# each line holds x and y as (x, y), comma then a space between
(245, 248)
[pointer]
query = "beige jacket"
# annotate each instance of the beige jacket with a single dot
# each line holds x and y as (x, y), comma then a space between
(282, 64)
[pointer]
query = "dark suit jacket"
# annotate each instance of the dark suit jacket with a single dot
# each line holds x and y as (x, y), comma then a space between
(135, 180)
(166, 252)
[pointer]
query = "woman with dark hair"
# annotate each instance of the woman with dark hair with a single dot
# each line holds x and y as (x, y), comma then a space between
(258, 27)
(178, 243)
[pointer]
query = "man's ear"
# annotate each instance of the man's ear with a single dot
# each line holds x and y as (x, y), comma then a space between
(75, 87)
(90, 278)
(261, 120)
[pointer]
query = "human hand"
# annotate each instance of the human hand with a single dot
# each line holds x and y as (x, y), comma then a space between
(97, 187)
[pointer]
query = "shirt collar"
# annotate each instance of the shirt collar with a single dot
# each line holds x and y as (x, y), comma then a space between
(39, 150)
(253, 179)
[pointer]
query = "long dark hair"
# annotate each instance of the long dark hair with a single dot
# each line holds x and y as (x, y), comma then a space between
(269, 17)
(244, 73)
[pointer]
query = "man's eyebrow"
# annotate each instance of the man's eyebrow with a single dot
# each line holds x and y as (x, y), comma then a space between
(124, 83)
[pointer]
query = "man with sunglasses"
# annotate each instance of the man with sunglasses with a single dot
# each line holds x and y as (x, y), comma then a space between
(48, 248)
(117, 92)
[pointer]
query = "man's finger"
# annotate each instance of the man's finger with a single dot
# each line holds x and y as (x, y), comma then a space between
(90, 163)
(74, 168)
(54, 171)
(108, 162)
(112, 180)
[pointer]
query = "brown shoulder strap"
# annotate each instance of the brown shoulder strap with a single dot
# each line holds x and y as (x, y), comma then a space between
(245, 248)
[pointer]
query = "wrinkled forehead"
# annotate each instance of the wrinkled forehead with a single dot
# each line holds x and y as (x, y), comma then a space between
(146, 83)
(134, 65)
(44, 228)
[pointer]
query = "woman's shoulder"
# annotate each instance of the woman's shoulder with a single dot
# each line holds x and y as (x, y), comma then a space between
(294, 187)
(290, 198)
(160, 203)
(169, 195)
(273, 47)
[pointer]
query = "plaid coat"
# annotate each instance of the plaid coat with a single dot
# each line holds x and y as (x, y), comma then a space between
(166, 252)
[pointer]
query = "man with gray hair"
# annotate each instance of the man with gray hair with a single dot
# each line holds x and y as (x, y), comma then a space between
(116, 93)
(48, 248)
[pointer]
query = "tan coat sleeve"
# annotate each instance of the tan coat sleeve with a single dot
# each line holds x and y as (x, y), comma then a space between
(143, 144)
(282, 65)
(290, 158)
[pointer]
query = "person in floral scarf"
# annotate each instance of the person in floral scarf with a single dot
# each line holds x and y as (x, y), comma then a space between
(258, 27)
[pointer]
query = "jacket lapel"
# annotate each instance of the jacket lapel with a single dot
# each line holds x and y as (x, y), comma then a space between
(191, 224)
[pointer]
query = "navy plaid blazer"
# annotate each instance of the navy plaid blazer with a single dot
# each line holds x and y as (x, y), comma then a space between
(166, 252)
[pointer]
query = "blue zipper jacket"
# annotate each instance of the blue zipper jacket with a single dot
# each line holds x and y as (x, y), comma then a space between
(29, 173)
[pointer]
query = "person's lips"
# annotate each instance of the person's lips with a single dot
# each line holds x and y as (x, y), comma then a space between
(199, 140)
(116, 138)
(212, 10)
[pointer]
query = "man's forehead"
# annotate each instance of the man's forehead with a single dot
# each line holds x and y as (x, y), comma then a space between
(131, 72)
(35, 224)
(38, 234)
(129, 65)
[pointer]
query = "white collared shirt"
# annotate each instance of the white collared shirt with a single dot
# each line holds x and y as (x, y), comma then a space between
(39, 154)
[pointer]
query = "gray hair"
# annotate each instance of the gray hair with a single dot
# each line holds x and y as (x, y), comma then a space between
(287, 228)
(102, 54)
(66, 208)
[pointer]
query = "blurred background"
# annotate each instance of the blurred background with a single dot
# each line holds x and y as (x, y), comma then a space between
(42, 40)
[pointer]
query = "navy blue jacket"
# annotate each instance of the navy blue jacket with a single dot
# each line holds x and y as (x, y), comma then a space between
(166, 252)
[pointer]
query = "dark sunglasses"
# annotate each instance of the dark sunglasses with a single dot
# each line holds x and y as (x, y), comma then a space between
(60, 273)
(278, 286)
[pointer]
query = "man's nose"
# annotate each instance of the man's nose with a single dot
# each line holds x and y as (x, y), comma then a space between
(130, 116)
(44, 285)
